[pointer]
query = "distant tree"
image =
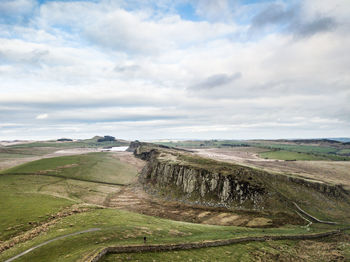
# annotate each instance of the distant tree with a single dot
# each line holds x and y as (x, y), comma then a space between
(106, 138)
(64, 139)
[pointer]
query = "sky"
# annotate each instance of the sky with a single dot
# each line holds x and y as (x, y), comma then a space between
(196, 69)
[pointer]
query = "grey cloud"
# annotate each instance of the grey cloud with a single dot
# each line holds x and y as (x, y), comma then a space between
(115, 119)
(217, 81)
(35, 57)
(70, 101)
(274, 14)
(290, 20)
(322, 24)
(38, 55)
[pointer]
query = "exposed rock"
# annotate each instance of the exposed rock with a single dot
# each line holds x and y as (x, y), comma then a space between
(184, 177)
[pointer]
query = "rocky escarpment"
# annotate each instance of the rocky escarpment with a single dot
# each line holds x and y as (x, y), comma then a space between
(201, 186)
(192, 179)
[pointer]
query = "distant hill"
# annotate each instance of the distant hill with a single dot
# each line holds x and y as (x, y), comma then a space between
(341, 139)
(312, 141)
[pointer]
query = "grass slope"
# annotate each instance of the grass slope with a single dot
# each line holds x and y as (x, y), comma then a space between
(330, 249)
(19, 209)
(27, 197)
(122, 227)
(11, 153)
(96, 167)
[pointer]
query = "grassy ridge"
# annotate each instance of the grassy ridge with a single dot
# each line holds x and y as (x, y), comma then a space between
(122, 227)
(28, 195)
(100, 167)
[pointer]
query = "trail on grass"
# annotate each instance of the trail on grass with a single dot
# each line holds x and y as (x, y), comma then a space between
(49, 241)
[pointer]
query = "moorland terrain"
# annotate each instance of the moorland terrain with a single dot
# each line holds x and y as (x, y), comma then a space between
(87, 197)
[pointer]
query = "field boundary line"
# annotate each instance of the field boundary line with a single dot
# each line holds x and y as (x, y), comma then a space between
(79, 179)
(315, 219)
(194, 245)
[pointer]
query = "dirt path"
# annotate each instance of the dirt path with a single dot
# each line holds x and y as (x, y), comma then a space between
(49, 241)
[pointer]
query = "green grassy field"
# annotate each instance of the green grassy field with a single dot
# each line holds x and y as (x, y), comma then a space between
(20, 153)
(122, 227)
(14, 152)
(27, 195)
(307, 152)
(31, 193)
(74, 190)
(288, 155)
(18, 210)
(321, 250)
(95, 167)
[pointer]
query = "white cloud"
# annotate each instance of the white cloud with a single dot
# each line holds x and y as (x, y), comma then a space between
(97, 67)
(42, 116)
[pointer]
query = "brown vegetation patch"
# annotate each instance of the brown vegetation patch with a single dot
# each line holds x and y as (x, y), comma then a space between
(135, 199)
(329, 249)
(259, 222)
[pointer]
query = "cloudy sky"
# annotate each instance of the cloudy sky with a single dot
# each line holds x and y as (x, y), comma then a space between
(146, 69)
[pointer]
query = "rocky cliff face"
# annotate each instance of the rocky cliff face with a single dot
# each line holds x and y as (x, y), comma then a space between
(202, 186)
(229, 186)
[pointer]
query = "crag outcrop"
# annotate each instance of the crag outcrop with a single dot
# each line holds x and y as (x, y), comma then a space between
(182, 176)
